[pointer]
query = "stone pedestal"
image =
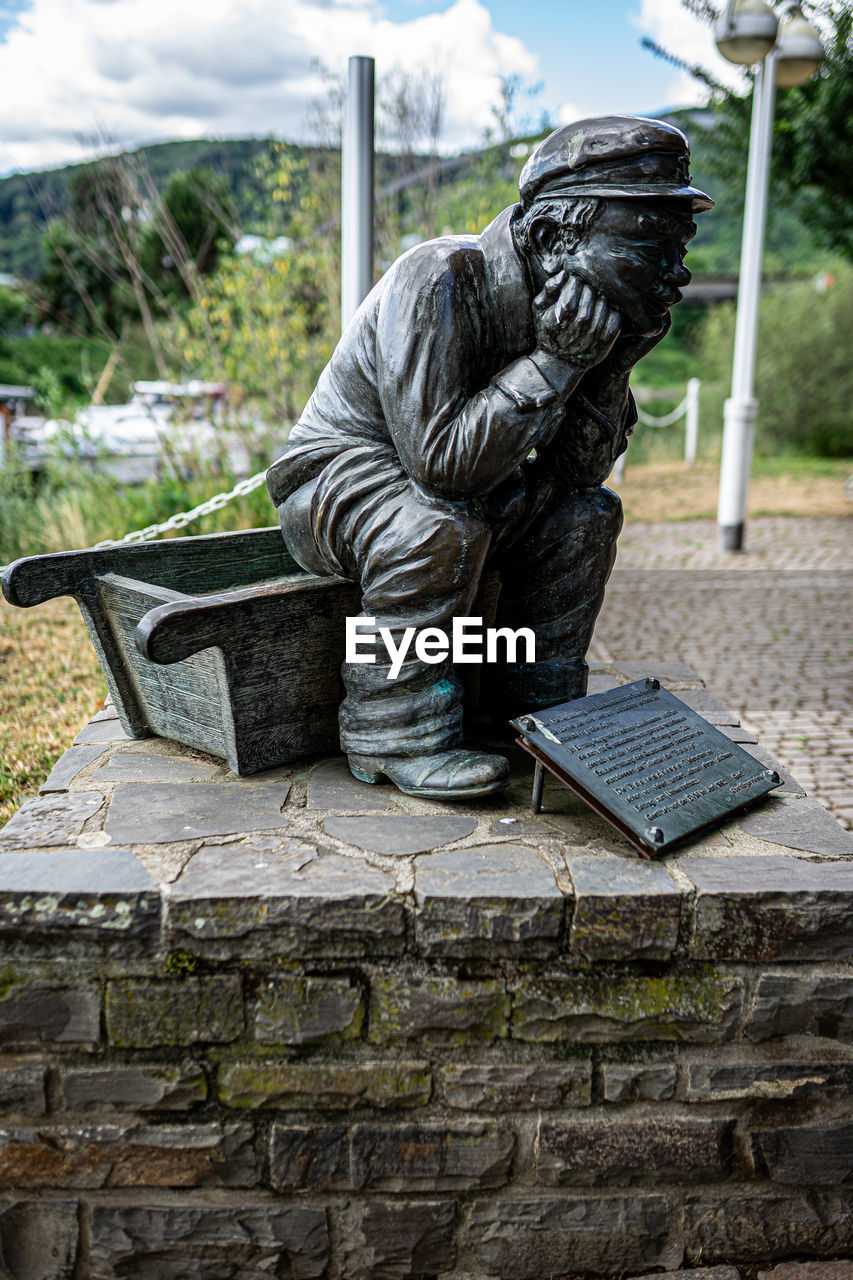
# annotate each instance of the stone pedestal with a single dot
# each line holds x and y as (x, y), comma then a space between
(299, 1026)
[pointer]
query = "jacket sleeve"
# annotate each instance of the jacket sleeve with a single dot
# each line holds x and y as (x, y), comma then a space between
(459, 426)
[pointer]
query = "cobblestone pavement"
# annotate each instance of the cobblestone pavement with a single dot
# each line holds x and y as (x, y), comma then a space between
(770, 631)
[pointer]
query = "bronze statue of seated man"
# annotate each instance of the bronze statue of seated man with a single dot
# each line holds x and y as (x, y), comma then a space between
(467, 420)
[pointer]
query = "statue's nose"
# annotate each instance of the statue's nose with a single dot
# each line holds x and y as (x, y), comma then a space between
(677, 274)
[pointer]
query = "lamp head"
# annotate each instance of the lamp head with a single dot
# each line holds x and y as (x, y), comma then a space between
(746, 32)
(799, 51)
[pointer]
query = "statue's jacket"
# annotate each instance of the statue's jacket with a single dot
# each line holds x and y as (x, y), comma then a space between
(435, 382)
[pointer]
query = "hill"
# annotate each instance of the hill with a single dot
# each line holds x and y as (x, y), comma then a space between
(472, 188)
(29, 200)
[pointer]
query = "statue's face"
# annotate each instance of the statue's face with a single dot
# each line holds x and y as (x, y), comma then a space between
(634, 255)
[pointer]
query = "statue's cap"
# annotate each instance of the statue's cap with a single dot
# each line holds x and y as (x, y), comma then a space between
(612, 156)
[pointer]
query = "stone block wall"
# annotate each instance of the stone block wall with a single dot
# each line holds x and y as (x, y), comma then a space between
(299, 1027)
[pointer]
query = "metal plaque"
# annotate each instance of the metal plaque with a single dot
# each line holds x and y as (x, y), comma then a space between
(645, 762)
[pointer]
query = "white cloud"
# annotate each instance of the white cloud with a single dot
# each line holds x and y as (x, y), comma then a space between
(685, 36)
(140, 70)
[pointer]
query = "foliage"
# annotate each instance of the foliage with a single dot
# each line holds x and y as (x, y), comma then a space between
(268, 327)
(14, 310)
(191, 227)
(28, 202)
(77, 362)
(812, 169)
(804, 378)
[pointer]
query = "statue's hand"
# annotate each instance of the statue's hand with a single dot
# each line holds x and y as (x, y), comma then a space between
(629, 348)
(574, 322)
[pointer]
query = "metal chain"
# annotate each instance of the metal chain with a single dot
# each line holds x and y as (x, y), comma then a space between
(182, 518)
(667, 420)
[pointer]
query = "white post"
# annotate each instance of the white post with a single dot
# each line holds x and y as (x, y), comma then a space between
(741, 408)
(357, 188)
(691, 425)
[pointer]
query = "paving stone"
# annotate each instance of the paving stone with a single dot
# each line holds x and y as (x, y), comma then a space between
(395, 835)
(754, 1226)
(489, 900)
(107, 729)
(737, 733)
(292, 901)
(396, 1241)
(49, 820)
(192, 1242)
(623, 907)
(69, 764)
(601, 683)
(725, 1081)
(145, 766)
(707, 705)
(630, 1152)
(38, 1239)
(527, 1239)
(74, 896)
(337, 1086)
(697, 1273)
(600, 1007)
(109, 711)
(806, 1154)
(799, 824)
(839, 1269)
(121, 1155)
(789, 1003)
(437, 1011)
(519, 827)
(523, 1086)
(22, 1086)
(142, 1012)
(332, 786)
(766, 907)
(667, 672)
(41, 1014)
(431, 1156)
(136, 1087)
(638, 1081)
(300, 1010)
(790, 786)
(183, 811)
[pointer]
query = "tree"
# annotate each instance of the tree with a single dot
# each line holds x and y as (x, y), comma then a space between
(268, 326)
(193, 224)
(812, 143)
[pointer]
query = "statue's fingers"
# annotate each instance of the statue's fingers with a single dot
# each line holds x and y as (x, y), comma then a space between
(566, 304)
(612, 324)
(586, 304)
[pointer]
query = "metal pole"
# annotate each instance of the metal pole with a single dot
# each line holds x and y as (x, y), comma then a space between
(741, 408)
(691, 426)
(357, 188)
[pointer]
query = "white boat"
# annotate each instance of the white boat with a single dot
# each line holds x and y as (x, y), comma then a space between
(165, 427)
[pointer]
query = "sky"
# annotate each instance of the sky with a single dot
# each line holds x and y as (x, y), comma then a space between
(83, 76)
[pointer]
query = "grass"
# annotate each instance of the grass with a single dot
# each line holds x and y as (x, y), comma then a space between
(50, 686)
(50, 682)
(779, 487)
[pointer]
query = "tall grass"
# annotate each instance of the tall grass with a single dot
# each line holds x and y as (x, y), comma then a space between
(71, 505)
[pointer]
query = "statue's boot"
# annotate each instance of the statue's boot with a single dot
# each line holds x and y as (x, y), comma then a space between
(440, 776)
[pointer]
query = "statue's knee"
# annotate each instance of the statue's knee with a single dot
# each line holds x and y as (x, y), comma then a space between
(295, 518)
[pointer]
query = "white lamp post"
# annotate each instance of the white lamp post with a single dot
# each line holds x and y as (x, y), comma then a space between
(788, 53)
